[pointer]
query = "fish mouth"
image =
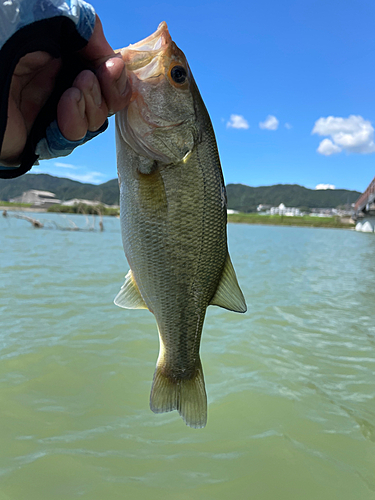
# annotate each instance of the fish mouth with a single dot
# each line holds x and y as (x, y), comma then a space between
(154, 41)
(144, 58)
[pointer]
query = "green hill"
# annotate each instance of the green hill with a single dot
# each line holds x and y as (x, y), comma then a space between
(65, 189)
(246, 199)
(240, 197)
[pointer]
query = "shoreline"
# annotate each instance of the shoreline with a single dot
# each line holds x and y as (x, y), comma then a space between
(15, 208)
(298, 221)
(309, 226)
(254, 219)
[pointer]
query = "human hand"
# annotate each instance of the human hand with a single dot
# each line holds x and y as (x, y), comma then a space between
(85, 106)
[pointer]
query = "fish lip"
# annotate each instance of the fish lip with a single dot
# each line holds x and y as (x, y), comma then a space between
(150, 43)
(138, 55)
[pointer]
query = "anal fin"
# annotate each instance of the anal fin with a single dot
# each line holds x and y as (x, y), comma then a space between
(129, 297)
(228, 293)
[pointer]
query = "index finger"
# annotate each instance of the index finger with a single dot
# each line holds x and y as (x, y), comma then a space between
(97, 50)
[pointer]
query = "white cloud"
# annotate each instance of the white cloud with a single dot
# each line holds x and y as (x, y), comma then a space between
(353, 135)
(270, 123)
(86, 177)
(327, 148)
(65, 165)
(288, 126)
(237, 121)
(325, 186)
(89, 177)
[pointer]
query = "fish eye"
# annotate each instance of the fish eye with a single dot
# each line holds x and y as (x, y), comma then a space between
(178, 74)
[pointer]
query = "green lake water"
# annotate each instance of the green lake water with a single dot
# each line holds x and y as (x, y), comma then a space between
(290, 384)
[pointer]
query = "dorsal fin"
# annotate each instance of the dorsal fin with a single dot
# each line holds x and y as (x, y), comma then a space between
(228, 293)
(129, 297)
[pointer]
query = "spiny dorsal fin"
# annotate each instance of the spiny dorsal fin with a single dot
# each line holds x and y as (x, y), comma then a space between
(129, 297)
(228, 293)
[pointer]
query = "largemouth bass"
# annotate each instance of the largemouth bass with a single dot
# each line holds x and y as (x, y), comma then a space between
(173, 218)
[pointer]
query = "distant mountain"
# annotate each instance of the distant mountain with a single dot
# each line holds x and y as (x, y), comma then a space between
(240, 197)
(246, 199)
(65, 189)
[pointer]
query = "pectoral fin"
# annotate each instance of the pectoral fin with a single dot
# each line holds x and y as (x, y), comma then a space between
(228, 293)
(129, 297)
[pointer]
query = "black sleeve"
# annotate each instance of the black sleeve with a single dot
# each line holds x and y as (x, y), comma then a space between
(59, 37)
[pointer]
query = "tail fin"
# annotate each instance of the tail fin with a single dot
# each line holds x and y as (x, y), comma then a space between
(187, 396)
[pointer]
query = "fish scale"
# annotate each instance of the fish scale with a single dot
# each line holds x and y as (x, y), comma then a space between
(173, 219)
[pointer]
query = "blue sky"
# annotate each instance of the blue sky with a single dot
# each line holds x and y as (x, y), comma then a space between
(270, 74)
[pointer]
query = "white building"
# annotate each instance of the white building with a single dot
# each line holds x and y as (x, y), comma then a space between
(37, 198)
(263, 208)
(283, 210)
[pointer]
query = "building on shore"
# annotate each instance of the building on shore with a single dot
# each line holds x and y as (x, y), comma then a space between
(280, 210)
(283, 210)
(293, 211)
(263, 208)
(45, 199)
(39, 199)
